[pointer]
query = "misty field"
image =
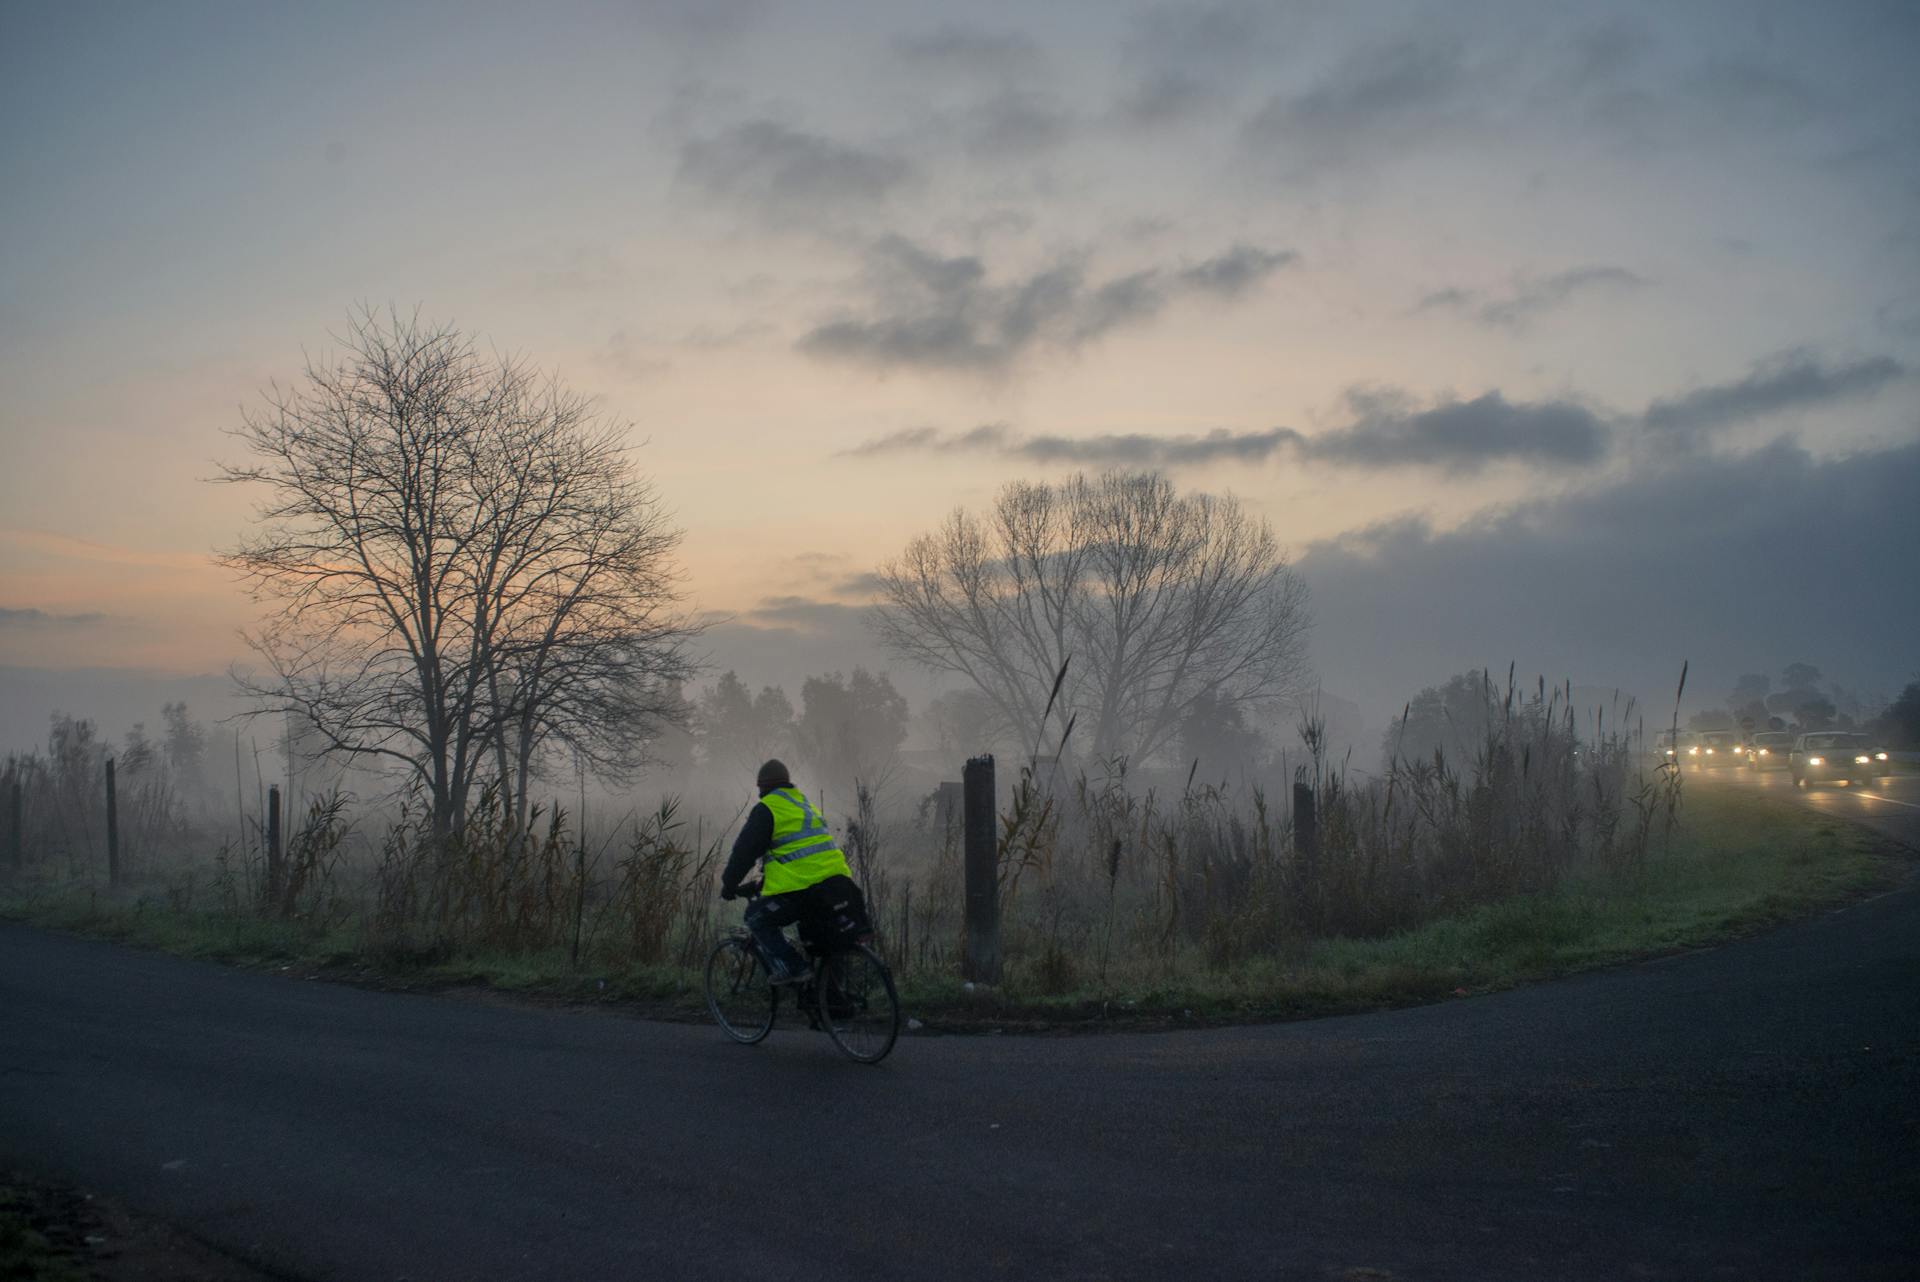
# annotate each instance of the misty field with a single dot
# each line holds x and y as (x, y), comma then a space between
(1124, 900)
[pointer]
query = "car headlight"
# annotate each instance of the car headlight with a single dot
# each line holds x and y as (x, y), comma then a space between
(1862, 760)
(1816, 761)
(1669, 752)
(1693, 752)
(1763, 752)
(1879, 756)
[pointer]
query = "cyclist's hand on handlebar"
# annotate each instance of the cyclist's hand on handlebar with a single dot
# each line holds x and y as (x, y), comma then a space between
(729, 892)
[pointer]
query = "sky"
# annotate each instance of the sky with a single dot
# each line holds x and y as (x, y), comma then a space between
(1581, 336)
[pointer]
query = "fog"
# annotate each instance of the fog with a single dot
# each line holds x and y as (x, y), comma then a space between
(1222, 512)
(1175, 403)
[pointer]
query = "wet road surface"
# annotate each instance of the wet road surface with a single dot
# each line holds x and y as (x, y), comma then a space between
(1888, 805)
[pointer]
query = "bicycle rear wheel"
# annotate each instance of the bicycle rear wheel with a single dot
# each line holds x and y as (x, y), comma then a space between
(738, 993)
(858, 1005)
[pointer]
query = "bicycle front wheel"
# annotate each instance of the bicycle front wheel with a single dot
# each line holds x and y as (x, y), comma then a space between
(738, 993)
(858, 1005)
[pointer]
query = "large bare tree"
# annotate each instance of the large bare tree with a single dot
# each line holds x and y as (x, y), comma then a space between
(462, 565)
(1162, 602)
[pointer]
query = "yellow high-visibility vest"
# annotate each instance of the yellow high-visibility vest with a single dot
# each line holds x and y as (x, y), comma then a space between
(803, 851)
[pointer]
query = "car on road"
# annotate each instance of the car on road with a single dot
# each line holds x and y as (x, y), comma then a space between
(1829, 756)
(1667, 746)
(1769, 749)
(1715, 750)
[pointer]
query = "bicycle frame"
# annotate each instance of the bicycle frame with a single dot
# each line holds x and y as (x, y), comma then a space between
(843, 1008)
(803, 992)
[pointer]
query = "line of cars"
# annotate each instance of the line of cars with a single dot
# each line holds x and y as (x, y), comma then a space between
(1814, 757)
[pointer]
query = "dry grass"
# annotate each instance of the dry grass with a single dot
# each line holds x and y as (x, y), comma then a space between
(1114, 889)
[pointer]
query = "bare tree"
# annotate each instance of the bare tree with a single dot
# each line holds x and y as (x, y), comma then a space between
(462, 566)
(1163, 602)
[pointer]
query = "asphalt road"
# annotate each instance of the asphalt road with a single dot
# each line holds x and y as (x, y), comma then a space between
(1745, 1112)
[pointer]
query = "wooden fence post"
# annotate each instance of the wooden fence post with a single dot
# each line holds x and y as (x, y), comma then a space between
(903, 949)
(947, 806)
(113, 830)
(982, 962)
(275, 873)
(1306, 832)
(16, 848)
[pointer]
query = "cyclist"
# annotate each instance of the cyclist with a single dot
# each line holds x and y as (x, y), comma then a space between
(806, 875)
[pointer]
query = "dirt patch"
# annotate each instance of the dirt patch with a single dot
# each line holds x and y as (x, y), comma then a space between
(54, 1232)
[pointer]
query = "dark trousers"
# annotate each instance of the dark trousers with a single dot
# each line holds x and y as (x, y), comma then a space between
(768, 918)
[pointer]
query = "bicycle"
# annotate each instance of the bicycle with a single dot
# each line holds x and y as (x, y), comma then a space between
(849, 994)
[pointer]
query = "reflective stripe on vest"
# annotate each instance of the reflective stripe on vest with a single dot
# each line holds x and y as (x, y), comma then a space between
(803, 851)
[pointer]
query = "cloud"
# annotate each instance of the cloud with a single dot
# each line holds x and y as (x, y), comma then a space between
(1606, 52)
(1165, 99)
(779, 171)
(939, 313)
(1793, 380)
(1235, 272)
(1386, 95)
(30, 617)
(1134, 449)
(1900, 316)
(1753, 97)
(1118, 449)
(1016, 126)
(1387, 430)
(807, 613)
(1697, 559)
(829, 570)
(629, 358)
(1530, 297)
(67, 548)
(863, 585)
(972, 52)
(987, 438)
(1452, 296)
(703, 20)
(708, 338)
(1186, 60)
(1212, 38)
(1533, 297)
(1461, 436)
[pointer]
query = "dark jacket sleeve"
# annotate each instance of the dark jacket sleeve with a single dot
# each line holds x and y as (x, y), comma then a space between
(755, 839)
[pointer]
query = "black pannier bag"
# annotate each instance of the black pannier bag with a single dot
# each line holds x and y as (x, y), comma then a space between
(836, 915)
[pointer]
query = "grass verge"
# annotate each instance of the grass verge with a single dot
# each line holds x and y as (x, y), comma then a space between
(1737, 863)
(35, 1246)
(51, 1231)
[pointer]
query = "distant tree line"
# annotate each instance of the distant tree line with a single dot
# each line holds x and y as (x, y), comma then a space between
(161, 786)
(1802, 699)
(847, 727)
(1451, 718)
